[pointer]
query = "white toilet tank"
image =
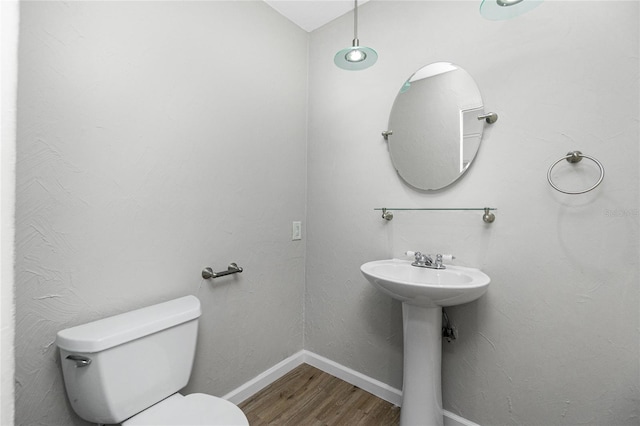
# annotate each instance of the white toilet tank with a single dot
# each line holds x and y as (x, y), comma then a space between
(121, 365)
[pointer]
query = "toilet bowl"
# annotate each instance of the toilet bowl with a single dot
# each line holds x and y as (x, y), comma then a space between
(196, 409)
(128, 369)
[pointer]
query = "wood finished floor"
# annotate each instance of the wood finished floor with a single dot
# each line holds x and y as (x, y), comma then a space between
(308, 396)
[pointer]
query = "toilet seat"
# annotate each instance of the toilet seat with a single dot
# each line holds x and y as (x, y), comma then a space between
(196, 409)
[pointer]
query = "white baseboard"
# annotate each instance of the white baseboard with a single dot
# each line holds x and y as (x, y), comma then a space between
(264, 379)
(371, 385)
(451, 419)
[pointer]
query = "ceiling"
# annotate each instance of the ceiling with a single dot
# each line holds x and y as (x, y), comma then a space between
(312, 14)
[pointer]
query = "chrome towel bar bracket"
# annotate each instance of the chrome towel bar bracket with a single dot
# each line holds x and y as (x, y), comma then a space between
(232, 269)
(575, 157)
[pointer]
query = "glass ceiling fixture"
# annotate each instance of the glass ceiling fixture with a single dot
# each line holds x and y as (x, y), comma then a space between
(355, 57)
(497, 10)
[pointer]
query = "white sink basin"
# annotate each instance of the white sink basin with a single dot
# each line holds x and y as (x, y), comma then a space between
(426, 287)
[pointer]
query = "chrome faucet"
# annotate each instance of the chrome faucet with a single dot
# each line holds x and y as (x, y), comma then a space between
(422, 260)
(426, 261)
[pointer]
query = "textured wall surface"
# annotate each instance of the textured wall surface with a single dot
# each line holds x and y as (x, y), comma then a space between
(9, 26)
(555, 339)
(158, 138)
(154, 139)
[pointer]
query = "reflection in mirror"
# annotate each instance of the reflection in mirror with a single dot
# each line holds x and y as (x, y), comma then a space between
(435, 125)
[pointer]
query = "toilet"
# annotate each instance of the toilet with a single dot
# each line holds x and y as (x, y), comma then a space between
(129, 368)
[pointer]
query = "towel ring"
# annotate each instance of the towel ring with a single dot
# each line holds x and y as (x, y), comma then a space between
(575, 157)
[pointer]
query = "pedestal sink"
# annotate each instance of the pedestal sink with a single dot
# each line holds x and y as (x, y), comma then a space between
(423, 292)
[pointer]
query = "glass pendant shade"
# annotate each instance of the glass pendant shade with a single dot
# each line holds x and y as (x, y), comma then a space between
(355, 57)
(498, 10)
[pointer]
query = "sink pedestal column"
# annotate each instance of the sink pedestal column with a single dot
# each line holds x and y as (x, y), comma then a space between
(422, 382)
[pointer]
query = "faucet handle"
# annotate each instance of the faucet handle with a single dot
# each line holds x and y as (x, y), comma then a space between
(441, 257)
(416, 254)
(445, 257)
(420, 259)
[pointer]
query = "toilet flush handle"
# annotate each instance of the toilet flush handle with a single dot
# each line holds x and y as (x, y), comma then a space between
(81, 361)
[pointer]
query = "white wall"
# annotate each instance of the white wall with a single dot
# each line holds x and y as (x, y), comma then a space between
(9, 21)
(555, 340)
(155, 139)
(151, 145)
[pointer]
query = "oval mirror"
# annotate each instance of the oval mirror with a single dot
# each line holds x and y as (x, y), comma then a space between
(434, 129)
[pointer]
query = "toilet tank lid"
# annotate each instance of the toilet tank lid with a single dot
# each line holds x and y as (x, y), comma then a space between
(106, 333)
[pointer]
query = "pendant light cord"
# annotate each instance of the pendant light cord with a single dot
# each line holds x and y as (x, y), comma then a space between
(355, 23)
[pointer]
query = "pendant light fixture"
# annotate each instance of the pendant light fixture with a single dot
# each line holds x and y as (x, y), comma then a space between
(498, 10)
(355, 57)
